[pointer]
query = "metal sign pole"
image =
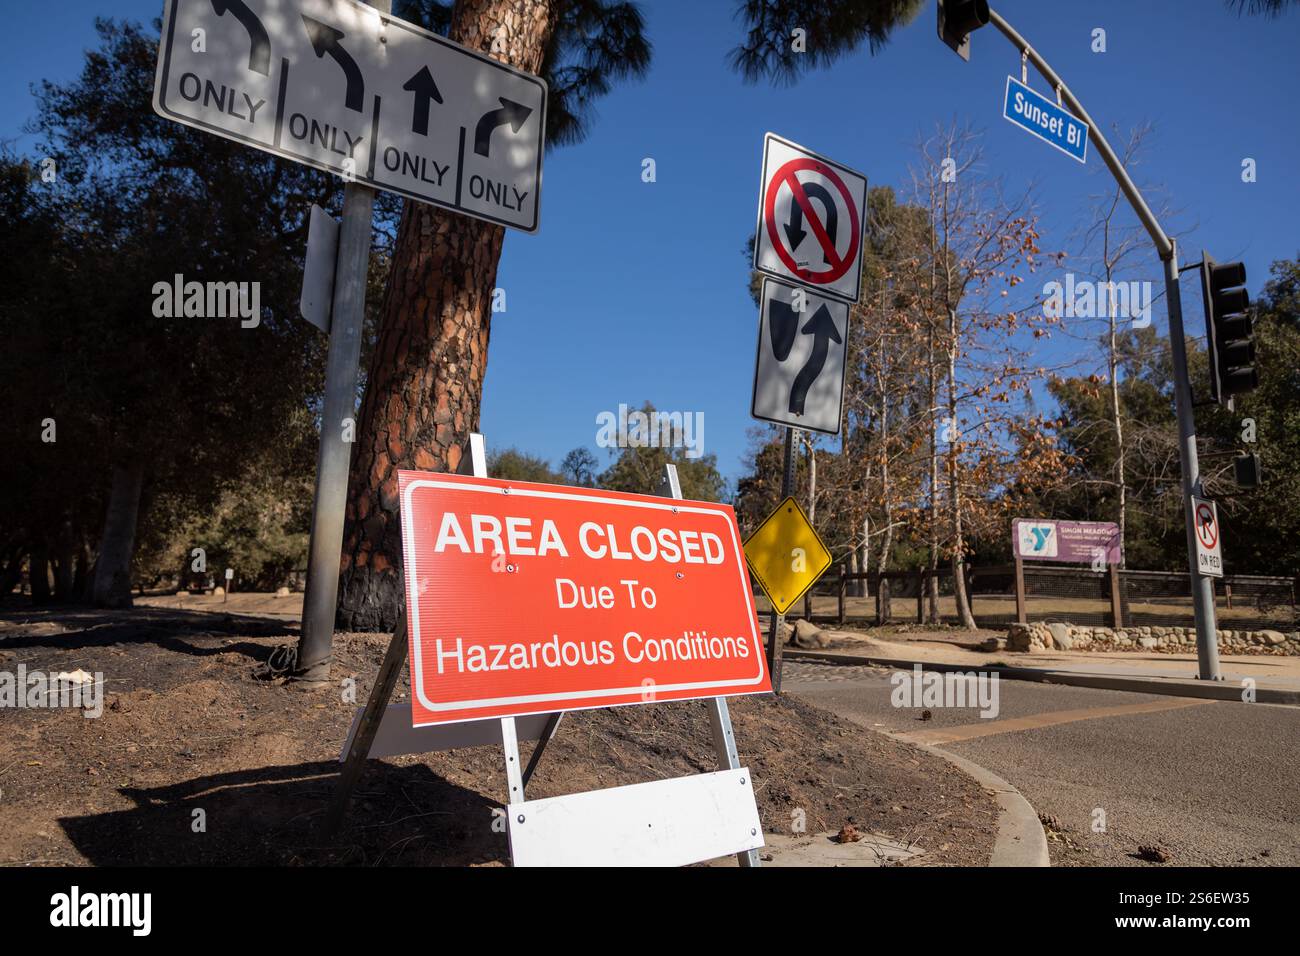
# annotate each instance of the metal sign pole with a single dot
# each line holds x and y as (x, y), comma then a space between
(335, 455)
(774, 634)
(1207, 646)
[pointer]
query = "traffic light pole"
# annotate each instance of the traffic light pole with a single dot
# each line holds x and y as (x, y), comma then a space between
(1207, 644)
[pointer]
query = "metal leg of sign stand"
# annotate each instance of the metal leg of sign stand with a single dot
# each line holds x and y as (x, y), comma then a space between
(724, 739)
(552, 725)
(355, 763)
(473, 462)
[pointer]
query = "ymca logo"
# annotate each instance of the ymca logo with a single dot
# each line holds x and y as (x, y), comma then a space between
(1038, 539)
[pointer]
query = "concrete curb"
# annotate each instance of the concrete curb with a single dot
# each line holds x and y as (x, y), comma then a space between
(1172, 687)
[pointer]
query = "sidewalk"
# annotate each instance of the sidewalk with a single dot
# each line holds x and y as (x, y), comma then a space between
(1277, 679)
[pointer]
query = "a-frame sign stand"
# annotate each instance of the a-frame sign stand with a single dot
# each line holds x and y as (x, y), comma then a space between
(706, 808)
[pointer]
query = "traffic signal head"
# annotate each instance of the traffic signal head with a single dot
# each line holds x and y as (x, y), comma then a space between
(957, 18)
(1228, 329)
(1246, 469)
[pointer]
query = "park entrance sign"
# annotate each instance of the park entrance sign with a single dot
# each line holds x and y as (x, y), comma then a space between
(1068, 542)
(337, 85)
(526, 598)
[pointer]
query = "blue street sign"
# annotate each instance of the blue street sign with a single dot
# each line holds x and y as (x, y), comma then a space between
(1051, 123)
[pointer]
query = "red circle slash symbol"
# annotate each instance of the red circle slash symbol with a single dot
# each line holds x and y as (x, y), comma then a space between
(785, 176)
(1205, 526)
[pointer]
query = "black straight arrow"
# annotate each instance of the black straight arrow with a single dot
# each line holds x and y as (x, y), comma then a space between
(259, 44)
(325, 39)
(510, 112)
(425, 89)
(822, 328)
(794, 230)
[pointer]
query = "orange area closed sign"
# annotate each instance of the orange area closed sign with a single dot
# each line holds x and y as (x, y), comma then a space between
(527, 598)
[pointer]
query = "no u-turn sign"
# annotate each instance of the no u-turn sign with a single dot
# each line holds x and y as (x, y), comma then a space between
(810, 217)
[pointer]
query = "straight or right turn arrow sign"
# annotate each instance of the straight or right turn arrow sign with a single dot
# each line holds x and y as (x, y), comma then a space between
(336, 85)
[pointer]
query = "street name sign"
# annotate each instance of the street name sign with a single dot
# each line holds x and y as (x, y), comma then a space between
(800, 364)
(527, 598)
(1053, 124)
(337, 85)
(786, 555)
(811, 212)
(1209, 543)
(1068, 542)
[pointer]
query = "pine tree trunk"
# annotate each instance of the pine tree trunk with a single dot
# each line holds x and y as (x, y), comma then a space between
(112, 584)
(425, 380)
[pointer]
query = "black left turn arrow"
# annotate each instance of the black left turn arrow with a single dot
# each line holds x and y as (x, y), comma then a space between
(425, 89)
(259, 44)
(510, 112)
(822, 328)
(325, 39)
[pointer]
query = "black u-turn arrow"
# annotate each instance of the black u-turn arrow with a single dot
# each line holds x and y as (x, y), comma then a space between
(510, 112)
(794, 230)
(822, 328)
(325, 39)
(259, 44)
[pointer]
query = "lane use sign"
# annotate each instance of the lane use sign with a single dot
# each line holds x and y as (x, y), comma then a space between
(810, 218)
(1209, 547)
(799, 368)
(337, 85)
(527, 598)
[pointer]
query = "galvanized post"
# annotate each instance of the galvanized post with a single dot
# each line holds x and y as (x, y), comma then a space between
(774, 635)
(336, 429)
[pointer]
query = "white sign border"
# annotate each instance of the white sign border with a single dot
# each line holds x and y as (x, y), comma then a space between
(768, 137)
(758, 357)
(1087, 133)
(413, 612)
(160, 84)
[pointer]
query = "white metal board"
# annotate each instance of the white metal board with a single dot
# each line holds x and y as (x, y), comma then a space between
(338, 85)
(661, 823)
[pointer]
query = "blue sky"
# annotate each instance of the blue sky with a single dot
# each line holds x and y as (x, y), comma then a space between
(633, 291)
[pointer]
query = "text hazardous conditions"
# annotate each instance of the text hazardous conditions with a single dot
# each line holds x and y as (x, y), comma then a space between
(526, 598)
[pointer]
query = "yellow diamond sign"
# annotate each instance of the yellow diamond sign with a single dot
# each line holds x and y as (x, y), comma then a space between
(785, 555)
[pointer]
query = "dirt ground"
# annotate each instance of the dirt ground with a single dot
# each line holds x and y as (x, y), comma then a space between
(187, 727)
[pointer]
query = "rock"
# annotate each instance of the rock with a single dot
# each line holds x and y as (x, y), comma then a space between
(1149, 642)
(282, 592)
(809, 635)
(1272, 637)
(994, 644)
(1060, 636)
(1019, 637)
(1154, 854)
(218, 591)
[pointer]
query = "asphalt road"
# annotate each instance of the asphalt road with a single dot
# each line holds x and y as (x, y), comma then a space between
(1212, 783)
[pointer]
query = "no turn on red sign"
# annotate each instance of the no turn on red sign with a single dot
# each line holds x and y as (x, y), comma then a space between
(526, 598)
(810, 217)
(1209, 546)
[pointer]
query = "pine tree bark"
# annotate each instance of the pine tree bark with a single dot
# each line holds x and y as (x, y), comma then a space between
(112, 584)
(425, 379)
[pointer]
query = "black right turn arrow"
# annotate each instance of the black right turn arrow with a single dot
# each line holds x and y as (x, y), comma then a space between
(325, 39)
(259, 44)
(510, 112)
(822, 328)
(425, 89)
